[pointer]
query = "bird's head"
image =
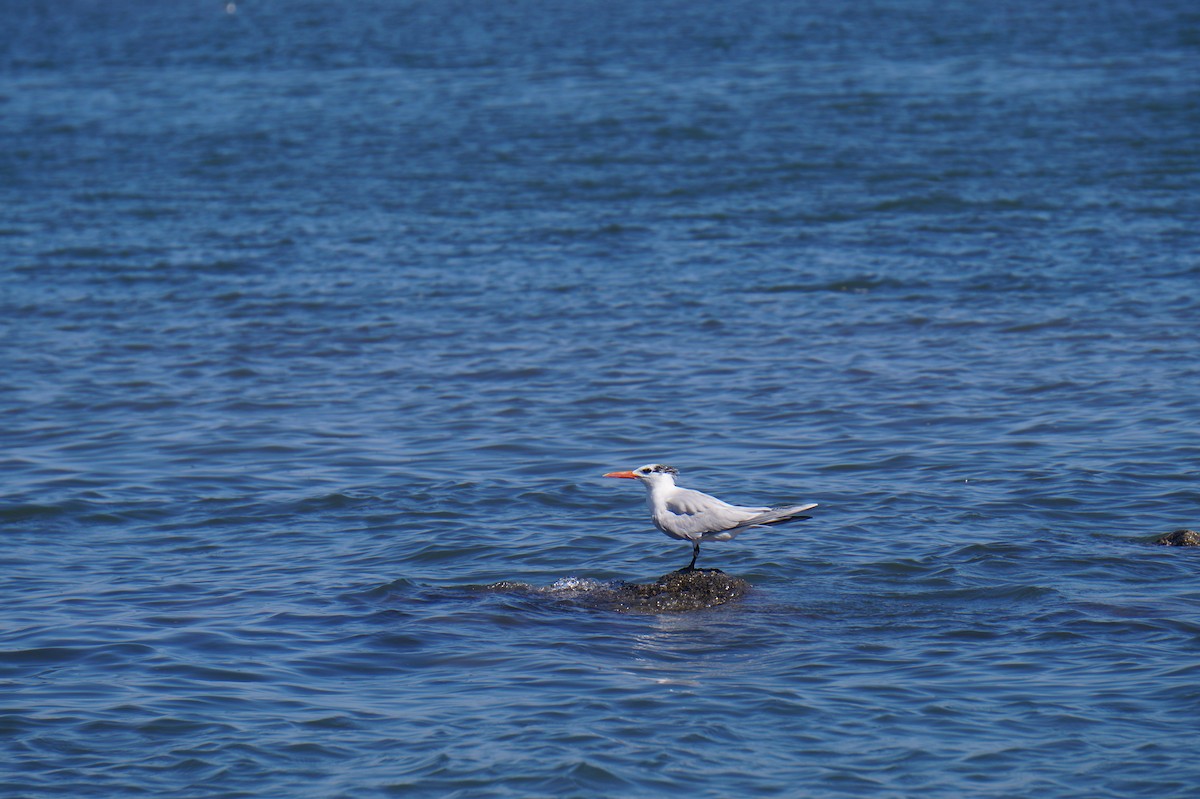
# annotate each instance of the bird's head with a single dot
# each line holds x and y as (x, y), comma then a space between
(650, 474)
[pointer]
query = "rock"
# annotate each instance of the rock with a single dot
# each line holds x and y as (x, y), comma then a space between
(1180, 538)
(686, 589)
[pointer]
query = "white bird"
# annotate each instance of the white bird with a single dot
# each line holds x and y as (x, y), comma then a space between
(689, 515)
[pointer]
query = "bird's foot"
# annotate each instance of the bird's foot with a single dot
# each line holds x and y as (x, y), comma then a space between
(689, 569)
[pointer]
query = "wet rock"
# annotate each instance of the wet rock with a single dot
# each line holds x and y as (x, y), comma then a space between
(1180, 538)
(686, 589)
(683, 590)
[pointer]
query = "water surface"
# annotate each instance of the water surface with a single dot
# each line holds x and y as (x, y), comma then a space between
(318, 320)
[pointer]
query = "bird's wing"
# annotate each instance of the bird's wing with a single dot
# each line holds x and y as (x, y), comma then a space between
(773, 515)
(691, 514)
(768, 516)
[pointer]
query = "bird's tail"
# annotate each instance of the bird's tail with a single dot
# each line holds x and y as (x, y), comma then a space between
(772, 516)
(777, 515)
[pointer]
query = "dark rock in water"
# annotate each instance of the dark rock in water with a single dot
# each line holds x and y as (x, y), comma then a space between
(686, 589)
(1180, 538)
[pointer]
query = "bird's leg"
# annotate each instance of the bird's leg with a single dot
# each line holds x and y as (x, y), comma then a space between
(695, 554)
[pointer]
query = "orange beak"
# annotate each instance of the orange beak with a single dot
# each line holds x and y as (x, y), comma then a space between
(629, 475)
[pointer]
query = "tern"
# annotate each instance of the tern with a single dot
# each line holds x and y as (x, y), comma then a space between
(688, 515)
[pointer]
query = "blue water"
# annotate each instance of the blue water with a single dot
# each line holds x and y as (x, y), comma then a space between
(318, 319)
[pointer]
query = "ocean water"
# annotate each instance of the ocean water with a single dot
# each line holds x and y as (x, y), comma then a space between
(320, 321)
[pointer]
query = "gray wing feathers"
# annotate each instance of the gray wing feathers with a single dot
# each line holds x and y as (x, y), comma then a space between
(692, 514)
(780, 514)
(689, 502)
(770, 516)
